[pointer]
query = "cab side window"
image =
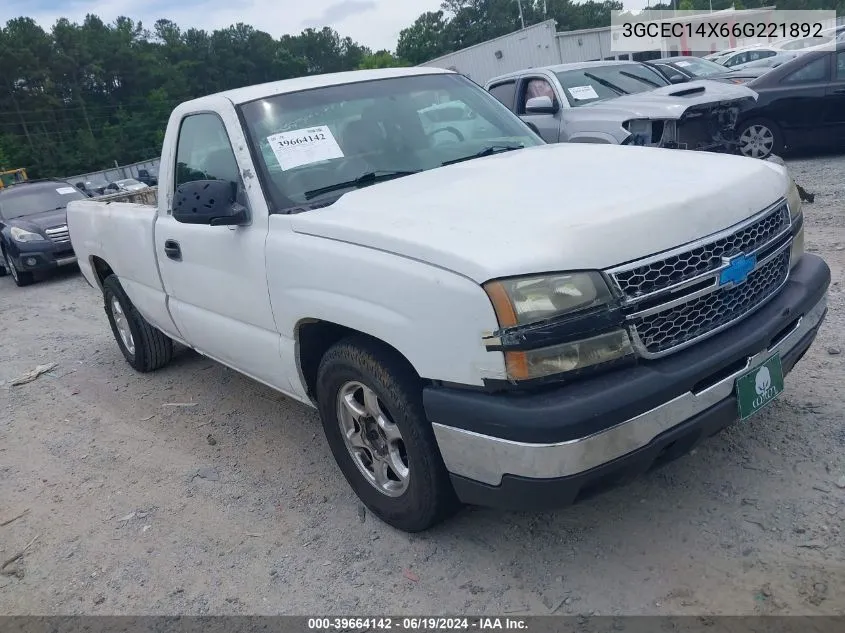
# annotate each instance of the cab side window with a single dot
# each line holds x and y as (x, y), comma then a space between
(755, 55)
(204, 151)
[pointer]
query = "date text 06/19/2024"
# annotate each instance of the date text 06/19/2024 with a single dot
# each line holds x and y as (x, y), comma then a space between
(417, 624)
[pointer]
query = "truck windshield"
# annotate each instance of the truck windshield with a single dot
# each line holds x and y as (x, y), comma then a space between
(30, 199)
(596, 83)
(316, 140)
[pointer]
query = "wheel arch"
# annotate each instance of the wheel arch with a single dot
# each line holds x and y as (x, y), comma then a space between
(314, 337)
(101, 269)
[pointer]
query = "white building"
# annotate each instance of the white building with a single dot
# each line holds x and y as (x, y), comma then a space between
(542, 45)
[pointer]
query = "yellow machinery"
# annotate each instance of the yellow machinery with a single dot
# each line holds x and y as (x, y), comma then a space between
(12, 177)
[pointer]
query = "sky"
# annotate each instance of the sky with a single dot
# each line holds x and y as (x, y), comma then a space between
(374, 23)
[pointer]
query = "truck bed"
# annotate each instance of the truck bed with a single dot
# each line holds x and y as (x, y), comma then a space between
(122, 234)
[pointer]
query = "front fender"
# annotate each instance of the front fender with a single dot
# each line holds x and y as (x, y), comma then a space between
(435, 318)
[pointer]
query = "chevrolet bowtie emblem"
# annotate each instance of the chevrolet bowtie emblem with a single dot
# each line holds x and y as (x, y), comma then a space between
(737, 270)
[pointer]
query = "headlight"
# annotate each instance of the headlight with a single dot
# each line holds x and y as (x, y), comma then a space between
(794, 200)
(796, 216)
(797, 246)
(525, 301)
(20, 235)
(558, 359)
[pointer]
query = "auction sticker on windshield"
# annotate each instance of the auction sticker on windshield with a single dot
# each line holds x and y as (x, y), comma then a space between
(583, 92)
(305, 146)
(65, 190)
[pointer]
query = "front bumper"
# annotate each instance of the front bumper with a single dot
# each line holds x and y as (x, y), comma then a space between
(40, 256)
(553, 448)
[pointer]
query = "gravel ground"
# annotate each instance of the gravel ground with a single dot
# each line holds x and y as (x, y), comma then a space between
(234, 505)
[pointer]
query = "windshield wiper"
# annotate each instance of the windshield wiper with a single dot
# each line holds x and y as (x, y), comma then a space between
(642, 79)
(487, 151)
(606, 83)
(364, 180)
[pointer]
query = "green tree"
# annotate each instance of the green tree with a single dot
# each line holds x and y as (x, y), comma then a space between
(83, 95)
(424, 40)
(381, 59)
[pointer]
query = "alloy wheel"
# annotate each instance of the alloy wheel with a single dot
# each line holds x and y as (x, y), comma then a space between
(372, 438)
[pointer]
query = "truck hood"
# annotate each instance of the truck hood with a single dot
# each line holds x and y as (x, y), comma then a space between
(670, 102)
(551, 208)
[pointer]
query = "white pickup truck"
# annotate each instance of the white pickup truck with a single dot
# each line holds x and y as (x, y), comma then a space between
(480, 318)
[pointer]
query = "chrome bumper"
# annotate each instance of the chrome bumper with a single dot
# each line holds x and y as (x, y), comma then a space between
(486, 459)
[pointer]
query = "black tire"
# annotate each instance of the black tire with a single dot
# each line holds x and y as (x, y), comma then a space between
(429, 497)
(20, 277)
(153, 348)
(777, 146)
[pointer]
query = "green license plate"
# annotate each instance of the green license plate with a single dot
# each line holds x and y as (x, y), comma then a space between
(759, 386)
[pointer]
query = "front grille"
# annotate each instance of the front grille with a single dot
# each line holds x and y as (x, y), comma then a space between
(670, 328)
(674, 269)
(675, 299)
(58, 234)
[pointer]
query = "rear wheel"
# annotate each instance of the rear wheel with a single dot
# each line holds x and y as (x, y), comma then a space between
(144, 347)
(20, 277)
(760, 138)
(371, 408)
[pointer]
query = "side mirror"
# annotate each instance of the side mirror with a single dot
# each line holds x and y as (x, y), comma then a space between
(677, 79)
(540, 105)
(209, 202)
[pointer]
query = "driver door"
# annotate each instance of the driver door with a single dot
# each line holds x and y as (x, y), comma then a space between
(215, 276)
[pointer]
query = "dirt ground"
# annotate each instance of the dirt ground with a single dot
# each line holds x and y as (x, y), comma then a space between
(234, 505)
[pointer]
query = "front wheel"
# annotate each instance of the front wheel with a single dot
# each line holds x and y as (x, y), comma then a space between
(760, 138)
(20, 277)
(144, 347)
(370, 405)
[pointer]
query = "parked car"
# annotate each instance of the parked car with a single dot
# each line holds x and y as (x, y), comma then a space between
(92, 188)
(687, 67)
(125, 184)
(716, 55)
(768, 62)
(464, 335)
(801, 104)
(148, 178)
(742, 76)
(745, 55)
(803, 44)
(623, 103)
(33, 228)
